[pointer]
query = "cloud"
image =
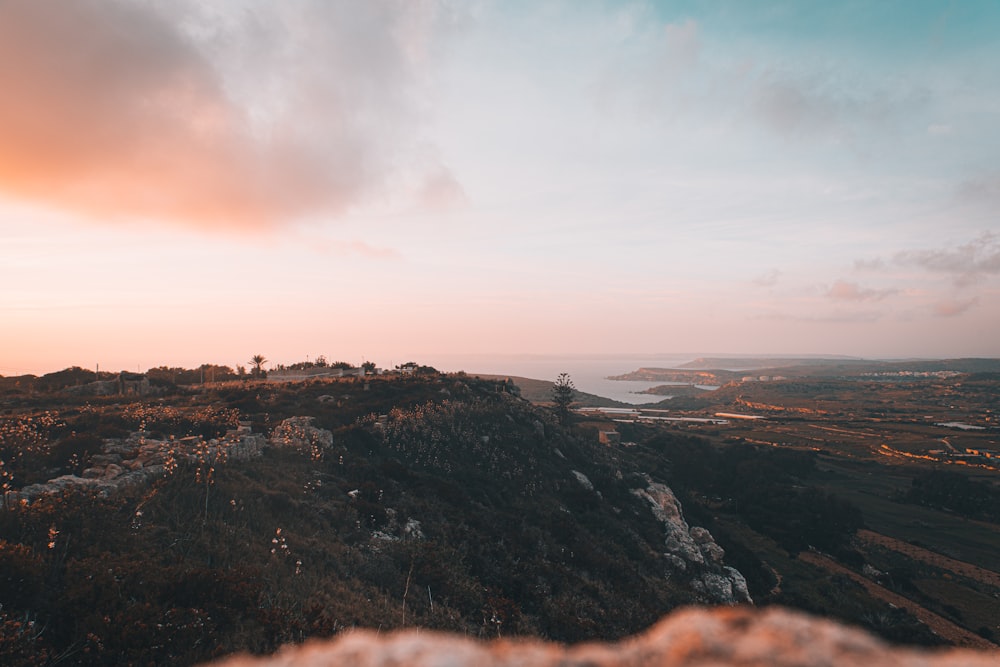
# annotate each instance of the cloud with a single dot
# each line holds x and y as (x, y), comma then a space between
(816, 105)
(440, 191)
(875, 264)
(843, 290)
(184, 113)
(767, 279)
(791, 107)
(966, 264)
(952, 307)
(682, 45)
(689, 72)
(982, 190)
(836, 317)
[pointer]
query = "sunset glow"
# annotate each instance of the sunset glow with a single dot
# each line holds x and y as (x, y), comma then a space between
(190, 182)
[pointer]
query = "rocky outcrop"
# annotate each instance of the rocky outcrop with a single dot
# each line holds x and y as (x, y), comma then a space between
(138, 460)
(299, 433)
(583, 479)
(693, 550)
(737, 637)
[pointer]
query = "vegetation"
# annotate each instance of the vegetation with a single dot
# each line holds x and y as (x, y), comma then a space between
(767, 487)
(955, 492)
(444, 502)
(457, 511)
(258, 361)
(562, 396)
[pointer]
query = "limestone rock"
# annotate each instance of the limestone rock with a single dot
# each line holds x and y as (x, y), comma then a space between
(693, 550)
(667, 509)
(59, 484)
(737, 637)
(741, 592)
(248, 446)
(712, 552)
(583, 479)
(105, 459)
(413, 530)
(112, 470)
(715, 586)
(139, 459)
(299, 432)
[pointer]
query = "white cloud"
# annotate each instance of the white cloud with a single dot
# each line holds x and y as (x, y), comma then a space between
(965, 264)
(240, 116)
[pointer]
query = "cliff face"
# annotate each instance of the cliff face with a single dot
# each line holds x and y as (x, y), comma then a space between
(687, 638)
(694, 549)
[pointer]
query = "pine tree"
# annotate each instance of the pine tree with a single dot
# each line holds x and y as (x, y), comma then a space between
(563, 392)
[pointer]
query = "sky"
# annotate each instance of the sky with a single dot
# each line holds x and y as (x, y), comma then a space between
(190, 181)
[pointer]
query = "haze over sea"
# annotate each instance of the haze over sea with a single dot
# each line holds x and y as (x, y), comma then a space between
(589, 372)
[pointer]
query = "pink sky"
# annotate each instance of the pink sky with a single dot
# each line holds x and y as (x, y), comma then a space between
(189, 182)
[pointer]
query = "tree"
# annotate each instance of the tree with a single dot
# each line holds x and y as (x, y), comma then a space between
(562, 395)
(258, 361)
(369, 367)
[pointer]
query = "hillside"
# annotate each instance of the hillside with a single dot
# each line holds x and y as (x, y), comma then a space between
(241, 516)
(250, 515)
(540, 392)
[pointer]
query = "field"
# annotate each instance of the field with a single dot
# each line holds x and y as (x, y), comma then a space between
(875, 440)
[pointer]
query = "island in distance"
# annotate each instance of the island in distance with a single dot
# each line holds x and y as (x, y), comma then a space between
(696, 378)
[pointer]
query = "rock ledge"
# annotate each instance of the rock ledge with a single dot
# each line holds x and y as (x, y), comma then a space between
(694, 637)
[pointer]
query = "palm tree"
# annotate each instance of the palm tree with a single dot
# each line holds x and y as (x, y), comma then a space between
(258, 361)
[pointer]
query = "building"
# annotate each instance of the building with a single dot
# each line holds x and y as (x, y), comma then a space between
(609, 438)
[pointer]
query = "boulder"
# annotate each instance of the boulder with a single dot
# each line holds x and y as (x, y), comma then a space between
(299, 432)
(248, 446)
(583, 479)
(112, 470)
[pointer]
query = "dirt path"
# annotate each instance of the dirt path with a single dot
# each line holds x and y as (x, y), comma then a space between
(941, 626)
(932, 558)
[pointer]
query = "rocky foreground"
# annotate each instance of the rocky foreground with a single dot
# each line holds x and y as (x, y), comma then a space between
(687, 638)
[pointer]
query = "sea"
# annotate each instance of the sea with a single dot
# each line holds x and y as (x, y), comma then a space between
(589, 373)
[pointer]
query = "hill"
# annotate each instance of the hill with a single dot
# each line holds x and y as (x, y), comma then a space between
(540, 392)
(241, 516)
(249, 515)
